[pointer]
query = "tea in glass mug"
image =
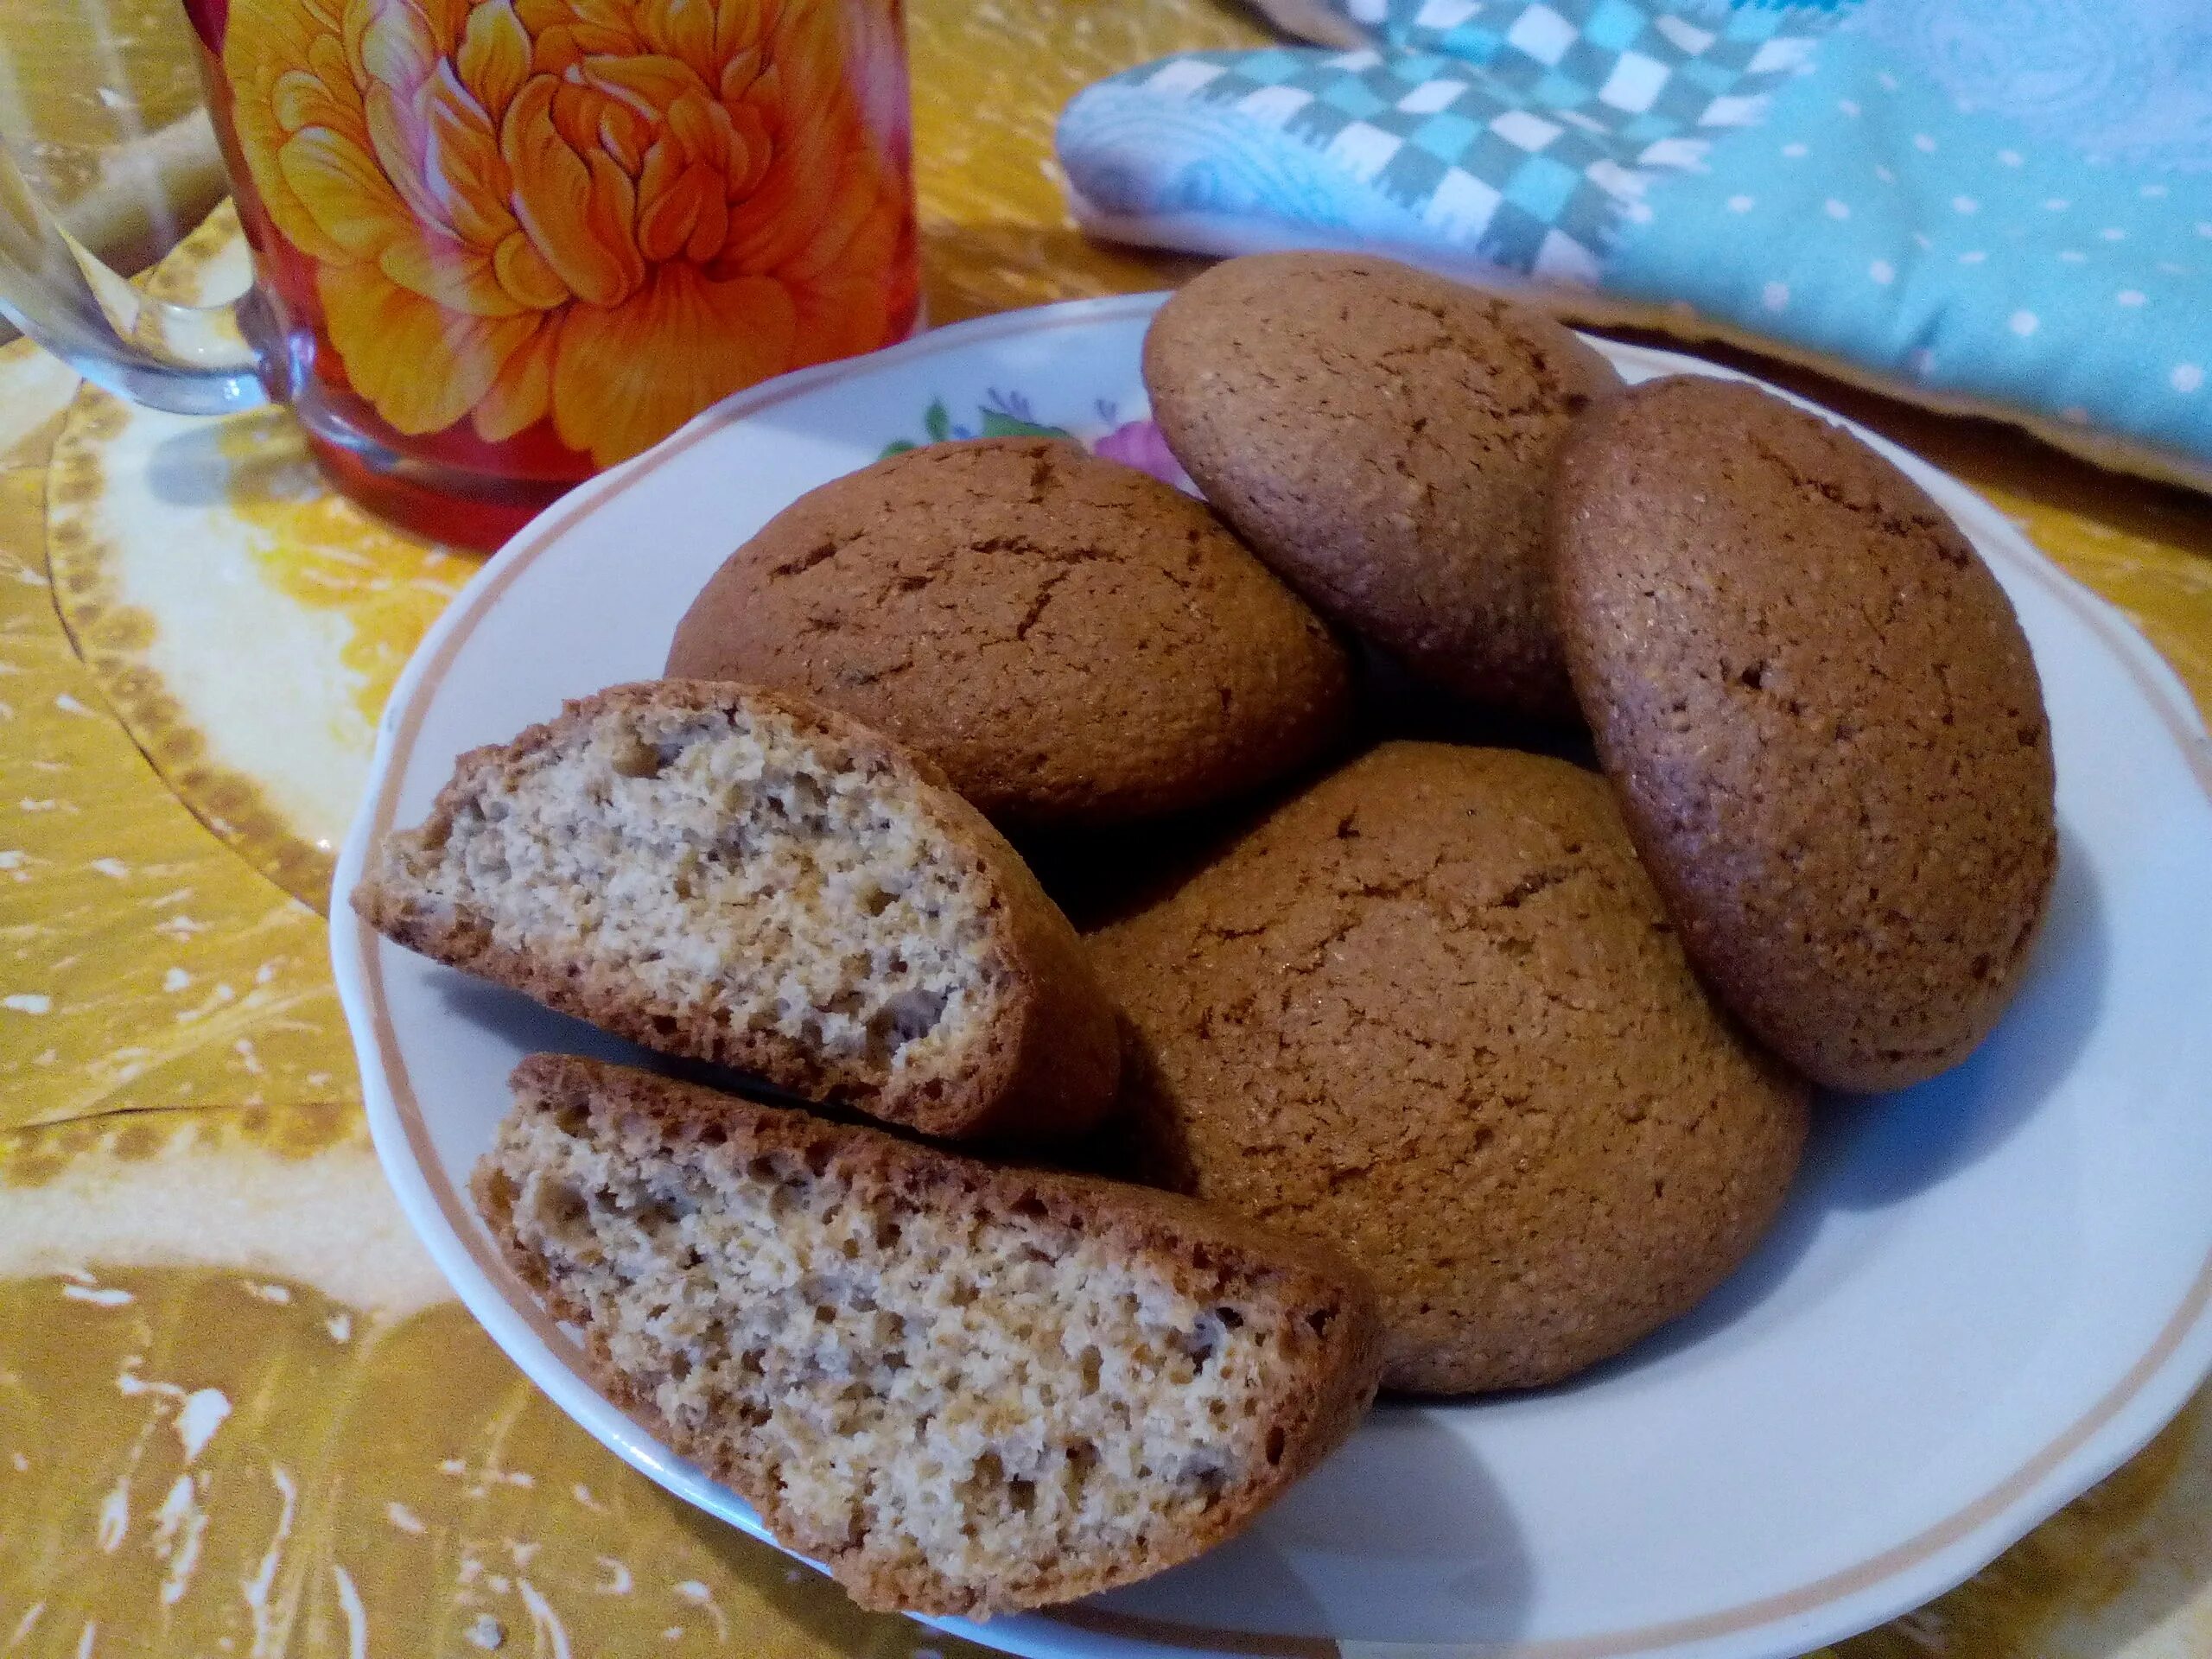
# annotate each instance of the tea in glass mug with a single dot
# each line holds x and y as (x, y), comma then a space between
(501, 244)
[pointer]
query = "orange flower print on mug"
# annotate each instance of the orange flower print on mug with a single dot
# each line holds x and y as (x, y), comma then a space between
(599, 214)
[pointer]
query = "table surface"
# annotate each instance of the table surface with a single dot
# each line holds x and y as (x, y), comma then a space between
(239, 1413)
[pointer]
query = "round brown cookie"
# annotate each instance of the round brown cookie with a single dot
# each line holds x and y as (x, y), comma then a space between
(1384, 438)
(1822, 719)
(1075, 642)
(1430, 1011)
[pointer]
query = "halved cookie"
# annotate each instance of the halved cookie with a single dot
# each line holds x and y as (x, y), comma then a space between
(965, 1388)
(734, 876)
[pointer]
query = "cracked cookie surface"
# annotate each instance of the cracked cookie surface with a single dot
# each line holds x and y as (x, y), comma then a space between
(1823, 720)
(1076, 643)
(1430, 1011)
(1384, 439)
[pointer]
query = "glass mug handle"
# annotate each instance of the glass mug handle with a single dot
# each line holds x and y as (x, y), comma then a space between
(188, 359)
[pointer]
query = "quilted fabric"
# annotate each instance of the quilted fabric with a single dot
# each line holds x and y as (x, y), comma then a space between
(2006, 208)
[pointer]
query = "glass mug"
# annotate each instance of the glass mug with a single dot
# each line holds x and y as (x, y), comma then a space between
(500, 245)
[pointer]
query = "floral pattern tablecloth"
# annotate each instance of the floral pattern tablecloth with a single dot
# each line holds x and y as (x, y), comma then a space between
(239, 1413)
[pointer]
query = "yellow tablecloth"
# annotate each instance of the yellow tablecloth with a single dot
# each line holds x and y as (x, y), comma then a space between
(239, 1414)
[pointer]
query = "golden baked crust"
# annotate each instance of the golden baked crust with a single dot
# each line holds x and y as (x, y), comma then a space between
(1030, 1047)
(1384, 439)
(1823, 720)
(1076, 643)
(1430, 1011)
(1300, 1330)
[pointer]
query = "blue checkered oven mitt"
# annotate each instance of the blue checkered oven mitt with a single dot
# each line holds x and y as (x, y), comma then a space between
(2002, 206)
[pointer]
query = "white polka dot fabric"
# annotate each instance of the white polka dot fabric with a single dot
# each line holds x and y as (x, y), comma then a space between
(2007, 207)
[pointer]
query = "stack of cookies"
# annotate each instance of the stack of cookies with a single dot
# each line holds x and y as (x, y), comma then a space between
(1443, 1066)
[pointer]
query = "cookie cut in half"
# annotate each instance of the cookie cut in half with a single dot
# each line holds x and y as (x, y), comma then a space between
(965, 1388)
(733, 875)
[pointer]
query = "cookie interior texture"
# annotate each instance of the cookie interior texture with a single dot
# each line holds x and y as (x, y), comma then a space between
(967, 1396)
(713, 865)
(1431, 1013)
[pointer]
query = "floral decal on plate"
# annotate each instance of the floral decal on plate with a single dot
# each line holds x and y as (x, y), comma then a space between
(1010, 415)
(1003, 414)
(601, 215)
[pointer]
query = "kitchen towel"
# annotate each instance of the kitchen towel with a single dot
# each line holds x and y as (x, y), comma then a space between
(1994, 207)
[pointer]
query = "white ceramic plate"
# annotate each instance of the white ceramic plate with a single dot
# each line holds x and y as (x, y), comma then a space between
(1984, 1294)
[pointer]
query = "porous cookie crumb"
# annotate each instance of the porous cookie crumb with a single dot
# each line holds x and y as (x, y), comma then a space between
(725, 873)
(1823, 720)
(1076, 643)
(1384, 439)
(967, 1389)
(1430, 1011)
